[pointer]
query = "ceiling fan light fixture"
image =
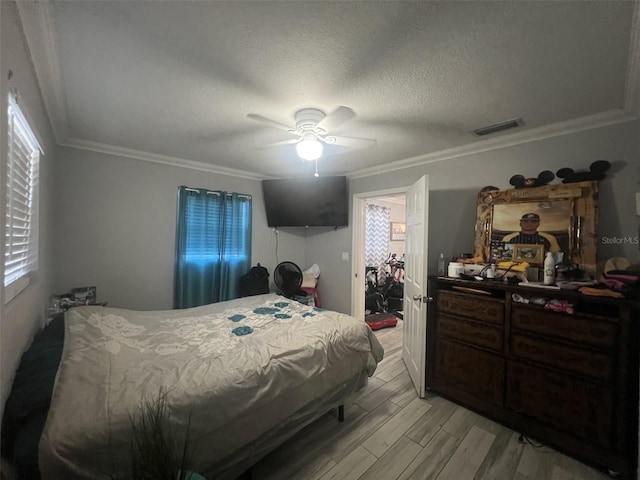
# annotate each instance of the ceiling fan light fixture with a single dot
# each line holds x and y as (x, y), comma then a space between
(313, 129)
(309, 149)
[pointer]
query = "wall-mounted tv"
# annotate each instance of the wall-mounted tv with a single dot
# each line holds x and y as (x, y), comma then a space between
(306, 202)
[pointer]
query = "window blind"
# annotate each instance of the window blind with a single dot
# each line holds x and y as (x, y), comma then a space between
(21, 221)
(216, 227)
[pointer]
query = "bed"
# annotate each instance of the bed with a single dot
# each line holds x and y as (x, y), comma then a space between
(247, 374)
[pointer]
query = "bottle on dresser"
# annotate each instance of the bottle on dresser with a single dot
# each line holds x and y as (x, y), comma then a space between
(549, 269)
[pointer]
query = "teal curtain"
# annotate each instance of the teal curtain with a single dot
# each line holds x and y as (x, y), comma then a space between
(213, 246)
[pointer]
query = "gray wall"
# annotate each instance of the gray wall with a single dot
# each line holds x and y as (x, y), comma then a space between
(455, 183)
(24, 315)
(116, 220)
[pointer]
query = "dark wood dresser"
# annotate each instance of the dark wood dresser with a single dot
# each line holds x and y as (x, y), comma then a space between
(569, 381)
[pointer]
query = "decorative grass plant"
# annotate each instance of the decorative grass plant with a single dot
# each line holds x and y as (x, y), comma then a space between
(158, 450)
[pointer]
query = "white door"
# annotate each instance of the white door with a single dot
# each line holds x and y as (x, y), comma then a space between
(415, 284)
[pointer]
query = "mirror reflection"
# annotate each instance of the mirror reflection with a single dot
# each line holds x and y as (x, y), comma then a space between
(525, 224)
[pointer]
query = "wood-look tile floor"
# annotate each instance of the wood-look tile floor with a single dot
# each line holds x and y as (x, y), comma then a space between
(391, 434)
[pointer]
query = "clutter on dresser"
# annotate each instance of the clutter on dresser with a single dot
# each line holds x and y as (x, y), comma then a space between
(619, 279)
(544, 237)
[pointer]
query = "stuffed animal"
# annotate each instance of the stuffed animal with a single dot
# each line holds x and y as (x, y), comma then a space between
(596, 172)
(519, 181)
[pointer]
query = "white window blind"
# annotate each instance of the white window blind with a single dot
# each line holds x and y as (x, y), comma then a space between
(21, 226)
(216, 226)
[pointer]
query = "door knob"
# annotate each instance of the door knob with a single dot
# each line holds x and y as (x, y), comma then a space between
(420, 298)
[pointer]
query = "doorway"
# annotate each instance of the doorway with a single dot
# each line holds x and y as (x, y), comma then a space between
(415, 290)
(385, 229)
(383, 243)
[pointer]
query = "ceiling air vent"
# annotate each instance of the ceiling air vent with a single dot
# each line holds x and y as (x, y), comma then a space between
(497, 127)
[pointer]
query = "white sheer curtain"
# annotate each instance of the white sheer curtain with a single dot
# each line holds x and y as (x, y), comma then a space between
(376, 243)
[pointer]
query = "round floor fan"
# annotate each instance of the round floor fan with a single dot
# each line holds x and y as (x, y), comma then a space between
(288, 278)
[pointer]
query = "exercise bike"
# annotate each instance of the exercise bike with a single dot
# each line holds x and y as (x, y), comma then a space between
(385, 295)
(373, 299)
(393, 287)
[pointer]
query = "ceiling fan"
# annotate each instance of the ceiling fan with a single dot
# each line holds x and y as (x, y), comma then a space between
(313, 128)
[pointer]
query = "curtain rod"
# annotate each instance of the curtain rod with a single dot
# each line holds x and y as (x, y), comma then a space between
(215, 192)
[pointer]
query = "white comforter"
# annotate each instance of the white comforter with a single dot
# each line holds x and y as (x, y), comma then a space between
(240, 368)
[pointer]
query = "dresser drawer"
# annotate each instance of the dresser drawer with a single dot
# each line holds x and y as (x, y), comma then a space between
(488, 310)
(574, 359)
(562, 402)
(468, 331)
(475, 371)
(599, 333)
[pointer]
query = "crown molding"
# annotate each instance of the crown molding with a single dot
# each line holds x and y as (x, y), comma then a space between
(589, 122)
(37, 25)
(632, 86)
(156, 158)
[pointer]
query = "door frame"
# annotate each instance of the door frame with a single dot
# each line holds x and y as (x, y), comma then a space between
(357, 245)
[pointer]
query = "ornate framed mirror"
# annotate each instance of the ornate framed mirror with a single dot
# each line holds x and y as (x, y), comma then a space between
(562, 218)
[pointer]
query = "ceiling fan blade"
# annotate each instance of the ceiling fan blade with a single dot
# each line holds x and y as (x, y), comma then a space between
(271, 123)
(335, 118)
(351, 142)
(292, 141)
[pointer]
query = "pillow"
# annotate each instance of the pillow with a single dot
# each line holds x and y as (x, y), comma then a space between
(309, 280)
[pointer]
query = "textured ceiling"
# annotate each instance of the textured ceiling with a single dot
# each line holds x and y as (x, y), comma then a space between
(174, 80)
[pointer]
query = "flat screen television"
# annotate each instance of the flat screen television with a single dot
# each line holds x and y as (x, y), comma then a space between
(306, 202)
